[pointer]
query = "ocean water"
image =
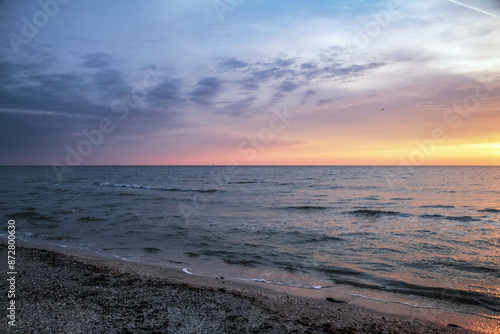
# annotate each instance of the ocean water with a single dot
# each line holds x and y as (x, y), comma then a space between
(426, 236)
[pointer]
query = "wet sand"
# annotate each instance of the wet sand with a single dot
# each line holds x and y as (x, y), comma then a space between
(82, 293)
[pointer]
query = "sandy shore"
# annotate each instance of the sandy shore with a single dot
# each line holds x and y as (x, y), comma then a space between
(79, 293)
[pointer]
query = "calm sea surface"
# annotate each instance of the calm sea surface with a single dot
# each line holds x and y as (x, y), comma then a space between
(420, 235)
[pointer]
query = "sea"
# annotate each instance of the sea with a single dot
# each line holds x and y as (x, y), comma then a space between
(424, 236)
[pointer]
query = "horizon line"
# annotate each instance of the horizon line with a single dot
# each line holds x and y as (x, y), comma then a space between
(229, 165)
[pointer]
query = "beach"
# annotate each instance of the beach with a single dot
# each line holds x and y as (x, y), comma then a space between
(81, 293)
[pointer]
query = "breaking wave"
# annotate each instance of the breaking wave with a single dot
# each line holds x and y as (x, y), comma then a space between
(136, 186)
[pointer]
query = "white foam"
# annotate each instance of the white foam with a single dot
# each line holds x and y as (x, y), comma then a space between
(137, 186)
(186, 271)
(259, 280)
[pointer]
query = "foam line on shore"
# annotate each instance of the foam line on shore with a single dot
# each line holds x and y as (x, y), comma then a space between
(316, 296)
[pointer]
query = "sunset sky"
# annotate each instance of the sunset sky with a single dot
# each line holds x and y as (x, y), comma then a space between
(253, 82)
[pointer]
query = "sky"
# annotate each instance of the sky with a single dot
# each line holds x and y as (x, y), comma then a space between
(249, 82)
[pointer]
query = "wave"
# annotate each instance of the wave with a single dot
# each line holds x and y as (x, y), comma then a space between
(489, 302)
(338, 271)
(31, 215)
(439, 206)
(324, 237)
(287, 184)
(489, 210)
(243, 182)
(241, 262)
(306, 207)
(234, 257)
(192, 254)
(151, 250)
(371, 198)
(62, 237)
(377, 213)
(452, 218)
(461, 265)
(89, 218)
(136, 186)
(305, 237)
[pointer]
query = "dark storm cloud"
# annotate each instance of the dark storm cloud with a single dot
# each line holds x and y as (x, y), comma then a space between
(284, 62)
(350, 70)
(12, 73)
(308, 66)
(58, 82)
(285, 74)
(296, 73)
(308, 93)
(280, 76)
(206, 90)
(250, 83)
(276, 98)
(166, 93)
(291, 72)
(288, 86)
(270, 73)
(42, 111)
(232, 63)
(260, 70)
(241, 107)
(96, 60)
(49, 92)
(27, 135)
(110, 81)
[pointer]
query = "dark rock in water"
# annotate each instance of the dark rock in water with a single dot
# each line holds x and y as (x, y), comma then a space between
(330, 299)
(328, 328)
